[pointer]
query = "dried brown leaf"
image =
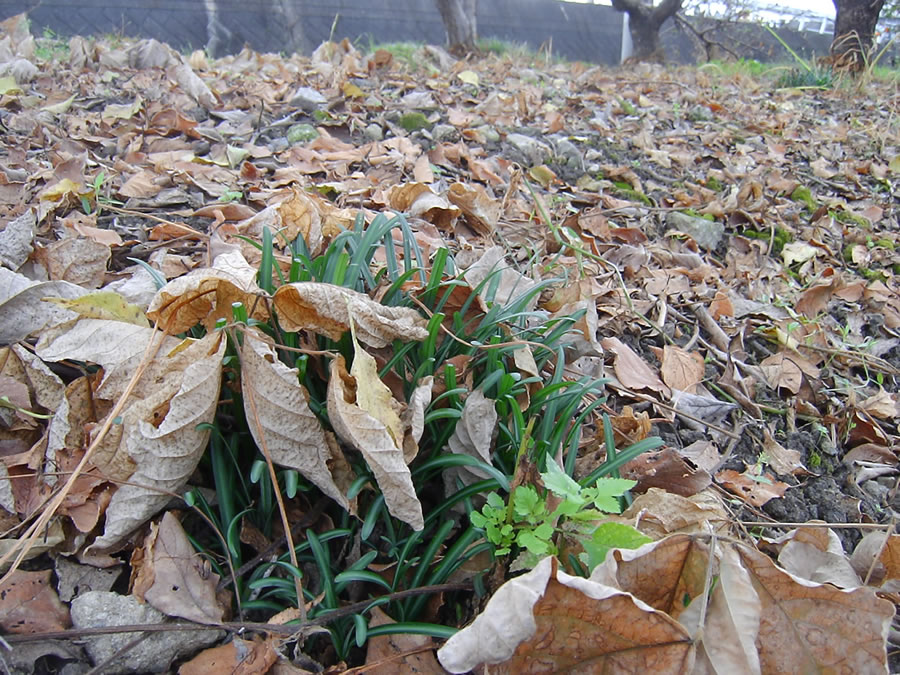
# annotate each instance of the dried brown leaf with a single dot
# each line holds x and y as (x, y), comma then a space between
(281, 415)
(29, 604)
(360, 430)
(206, 295)
(631, 370)
(179, 586)
(326, 309)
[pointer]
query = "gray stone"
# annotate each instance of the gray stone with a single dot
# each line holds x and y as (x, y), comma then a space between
(535, 152)
(308, 99)
(100, 609)
(374, 132)
(444, 132)
(568, 152)
(706, 233)
(878, 492)
(301, 133)
(279, 144)
(490, 134)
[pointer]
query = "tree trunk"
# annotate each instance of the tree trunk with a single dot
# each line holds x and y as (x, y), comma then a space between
(854, 30)
(459, 22)
(644, 22)
(286, 26)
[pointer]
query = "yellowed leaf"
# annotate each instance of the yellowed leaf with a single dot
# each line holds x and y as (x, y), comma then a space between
(104, 305)
(359, 429)
(372, 395)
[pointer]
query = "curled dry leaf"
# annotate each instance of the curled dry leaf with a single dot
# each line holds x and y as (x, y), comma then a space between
(369, 436)
(816, 554)
(806, 627)
(878, 562)
(548, 621)
(782, 460)
(631, 370)
(512, 283)
(481, 210)
(300, 215)
(171, 575)
(658, 513)
(326, 309)
(204, 296)
(281, 415)
(640, 611)
(883, 405)
(78, 260)
(668, 470)
(16, 240)
(158, 427)
(752, 488)
(21, 311)
(785, 370)
(419, 201)
(473, 436)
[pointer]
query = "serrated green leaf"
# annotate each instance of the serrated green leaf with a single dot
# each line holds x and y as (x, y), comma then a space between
(526, 500)
(544, 531)
(608, 504)
(560, 483)
(478, 520)
(495, 500)
(532, 543)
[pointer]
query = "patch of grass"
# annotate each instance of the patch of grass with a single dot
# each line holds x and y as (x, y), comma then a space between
(806, 78)
(51, 47)
(472, 347)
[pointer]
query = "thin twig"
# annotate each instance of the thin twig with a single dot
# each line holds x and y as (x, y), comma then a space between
(24, 544)
(284, 630)
(837, 526)
(264, 447)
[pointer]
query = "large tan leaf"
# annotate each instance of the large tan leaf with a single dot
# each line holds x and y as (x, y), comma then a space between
(206, 295)
(159, 432)
(293, 434)
(667, 574)
(372, 395)
(326, 309)
(732, 621)
(171, 575)
(359, 429)
(473, 436)
(21, 311)
(116, 346)
(632, 371)
(806, 627)
(548, 621)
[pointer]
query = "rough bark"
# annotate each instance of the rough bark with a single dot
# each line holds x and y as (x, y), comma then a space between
(854, 30)
(286, 25)
(644, 22)
(459, 22)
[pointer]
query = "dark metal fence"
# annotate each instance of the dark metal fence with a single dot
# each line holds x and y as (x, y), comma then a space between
(581, 32)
